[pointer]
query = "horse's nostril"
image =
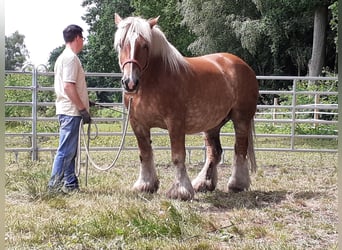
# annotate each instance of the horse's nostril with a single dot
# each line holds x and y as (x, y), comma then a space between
(124, 81)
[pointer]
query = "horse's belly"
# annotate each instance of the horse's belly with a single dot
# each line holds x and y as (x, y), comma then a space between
(199, 120)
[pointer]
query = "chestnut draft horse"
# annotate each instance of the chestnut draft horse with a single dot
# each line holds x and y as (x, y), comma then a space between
(185, 96)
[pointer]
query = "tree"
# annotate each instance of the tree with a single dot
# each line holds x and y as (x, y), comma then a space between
(207, 20)
(16, 53)
(333, 36)
(53, 57)
(57, 51)
(170, 21)
(228, 26)
(274, 37)
(319, 40)
(288, 26)
(100, 55)
(334, 20)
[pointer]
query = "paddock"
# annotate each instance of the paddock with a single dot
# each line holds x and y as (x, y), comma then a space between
(292, 202)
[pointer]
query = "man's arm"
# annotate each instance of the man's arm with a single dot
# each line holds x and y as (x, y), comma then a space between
(71, 91)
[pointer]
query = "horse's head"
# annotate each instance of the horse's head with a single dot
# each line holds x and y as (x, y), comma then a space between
(132, 41)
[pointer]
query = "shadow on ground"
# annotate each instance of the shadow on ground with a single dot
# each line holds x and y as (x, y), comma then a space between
(251, 199)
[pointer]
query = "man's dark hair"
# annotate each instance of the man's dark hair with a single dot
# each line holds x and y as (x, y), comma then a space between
(71, 32)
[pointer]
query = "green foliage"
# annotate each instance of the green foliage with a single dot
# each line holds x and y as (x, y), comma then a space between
(290, 38)
(303, 98)
(54, 55)
(319, 86)
(100, 55)
(304, 129)
(23, 95)
(274, 37)
(334, 21)
(105, 112)
(46, 96)
(210, 22)
(170, 21)
(15, 51)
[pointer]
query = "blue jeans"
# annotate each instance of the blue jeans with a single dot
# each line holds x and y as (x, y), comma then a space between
(63, 169)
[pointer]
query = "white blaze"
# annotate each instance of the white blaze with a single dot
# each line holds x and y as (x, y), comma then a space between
(132, 44)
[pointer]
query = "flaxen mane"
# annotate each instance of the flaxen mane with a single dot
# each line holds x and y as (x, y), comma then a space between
(157, 42)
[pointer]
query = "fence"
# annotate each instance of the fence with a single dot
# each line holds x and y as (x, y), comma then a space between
(279, 125)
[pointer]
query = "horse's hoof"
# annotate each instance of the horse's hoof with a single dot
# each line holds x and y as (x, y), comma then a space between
(177, 192)
(235, 189)
(146, 187)
(203, 186)
(236, 186)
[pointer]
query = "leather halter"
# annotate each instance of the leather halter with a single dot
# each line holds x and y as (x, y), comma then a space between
(134, 61)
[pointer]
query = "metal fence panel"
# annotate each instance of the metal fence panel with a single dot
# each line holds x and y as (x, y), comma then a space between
(271, 116)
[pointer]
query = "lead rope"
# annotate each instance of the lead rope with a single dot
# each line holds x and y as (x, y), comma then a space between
(86, 145)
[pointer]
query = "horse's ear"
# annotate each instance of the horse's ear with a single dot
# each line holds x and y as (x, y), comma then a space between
(117, 18)
(153, 21)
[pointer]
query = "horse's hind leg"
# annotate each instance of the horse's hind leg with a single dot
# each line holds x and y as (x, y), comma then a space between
(240, 179)
(207, 178)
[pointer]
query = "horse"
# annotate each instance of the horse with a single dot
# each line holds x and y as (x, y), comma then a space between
(185, 95)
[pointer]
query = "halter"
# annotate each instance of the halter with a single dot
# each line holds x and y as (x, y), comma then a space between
(134, 61)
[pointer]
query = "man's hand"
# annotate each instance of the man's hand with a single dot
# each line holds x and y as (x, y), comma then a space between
(85, 116)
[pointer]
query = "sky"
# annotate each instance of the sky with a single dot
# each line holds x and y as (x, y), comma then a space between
(42, 23)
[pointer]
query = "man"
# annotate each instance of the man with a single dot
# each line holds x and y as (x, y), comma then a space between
(72, 106)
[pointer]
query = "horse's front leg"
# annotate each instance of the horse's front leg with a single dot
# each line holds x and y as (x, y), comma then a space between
(181, 188)
(147, 180)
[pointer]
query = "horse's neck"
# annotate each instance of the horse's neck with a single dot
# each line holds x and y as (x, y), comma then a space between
(157, 65)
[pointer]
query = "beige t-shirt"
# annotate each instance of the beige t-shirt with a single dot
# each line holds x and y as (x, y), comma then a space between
(68, 68)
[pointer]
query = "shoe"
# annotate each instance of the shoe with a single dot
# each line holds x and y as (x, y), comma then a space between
(54, 189)
(70, 190)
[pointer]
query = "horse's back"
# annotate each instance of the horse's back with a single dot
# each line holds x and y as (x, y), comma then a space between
(228, 73)
(244, 82)
(223, 63)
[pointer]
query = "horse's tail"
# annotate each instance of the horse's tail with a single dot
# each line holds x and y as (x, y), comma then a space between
(250, 149)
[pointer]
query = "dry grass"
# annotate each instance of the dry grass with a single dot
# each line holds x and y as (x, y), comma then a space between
(292, 204)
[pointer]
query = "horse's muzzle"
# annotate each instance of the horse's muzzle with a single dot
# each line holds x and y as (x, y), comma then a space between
(130, 85)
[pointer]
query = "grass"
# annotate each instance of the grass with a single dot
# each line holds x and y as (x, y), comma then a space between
(292, 204)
